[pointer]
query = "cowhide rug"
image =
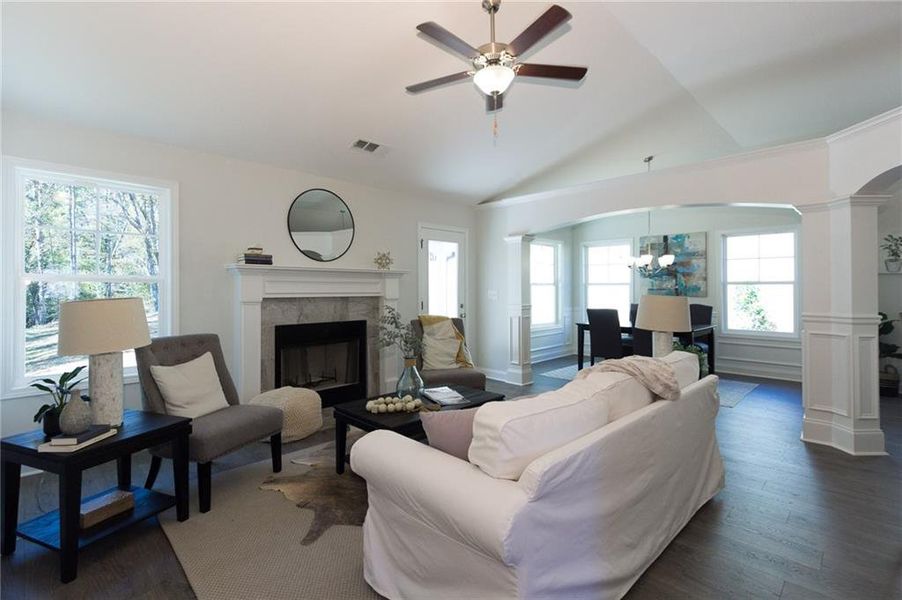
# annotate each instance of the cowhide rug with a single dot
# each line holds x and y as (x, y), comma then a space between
(334, 499)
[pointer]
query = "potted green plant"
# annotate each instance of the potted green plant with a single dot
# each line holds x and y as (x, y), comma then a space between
(892, 245)
(889, 374)
(49, 414)
(702, 356)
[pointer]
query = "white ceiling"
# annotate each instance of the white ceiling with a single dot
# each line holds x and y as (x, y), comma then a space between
(294, 85)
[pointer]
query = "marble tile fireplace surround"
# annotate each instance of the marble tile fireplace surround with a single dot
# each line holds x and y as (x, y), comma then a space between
(267, 296)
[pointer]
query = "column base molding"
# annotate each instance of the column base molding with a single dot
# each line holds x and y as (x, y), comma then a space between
(519, 375)
(829, 433)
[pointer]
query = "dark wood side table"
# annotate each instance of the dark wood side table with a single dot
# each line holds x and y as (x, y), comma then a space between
(407, 424)
(59, 530)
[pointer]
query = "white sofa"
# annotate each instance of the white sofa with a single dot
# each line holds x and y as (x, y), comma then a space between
(581, 520)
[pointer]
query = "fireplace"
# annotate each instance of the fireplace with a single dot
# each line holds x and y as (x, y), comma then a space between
(330, 358)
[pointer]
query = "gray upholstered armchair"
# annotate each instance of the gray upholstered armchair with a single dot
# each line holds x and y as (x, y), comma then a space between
(213, 434)
(473, 378)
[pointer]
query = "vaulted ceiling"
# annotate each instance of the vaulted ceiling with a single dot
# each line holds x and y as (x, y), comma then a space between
(295, 84)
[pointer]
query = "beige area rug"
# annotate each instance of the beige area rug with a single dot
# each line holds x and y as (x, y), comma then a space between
(295, 534)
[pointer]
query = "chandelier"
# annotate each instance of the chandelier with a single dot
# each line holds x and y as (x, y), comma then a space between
(647, 266)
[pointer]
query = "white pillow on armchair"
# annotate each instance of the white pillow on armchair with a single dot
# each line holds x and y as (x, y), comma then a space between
(190, 389)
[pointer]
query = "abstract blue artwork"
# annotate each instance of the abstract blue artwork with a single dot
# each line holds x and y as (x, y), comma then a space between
(688, 276)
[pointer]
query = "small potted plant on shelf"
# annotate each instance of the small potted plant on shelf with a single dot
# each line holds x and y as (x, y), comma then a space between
(892, 245)
(394, 331)
(889, 374)
(49, 414)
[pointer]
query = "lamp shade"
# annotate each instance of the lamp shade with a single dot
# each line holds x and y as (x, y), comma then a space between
(101, 326)
(663, 313)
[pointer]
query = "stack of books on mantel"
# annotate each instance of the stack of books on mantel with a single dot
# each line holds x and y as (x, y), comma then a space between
(71, 443)
(254, 256)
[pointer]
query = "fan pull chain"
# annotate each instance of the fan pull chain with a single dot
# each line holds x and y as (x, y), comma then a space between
(494, 127)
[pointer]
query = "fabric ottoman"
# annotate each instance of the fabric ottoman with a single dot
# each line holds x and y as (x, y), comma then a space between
(301, 409)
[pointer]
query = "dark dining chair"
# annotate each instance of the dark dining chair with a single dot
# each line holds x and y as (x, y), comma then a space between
(700, 315)
(604, 334)
(627, 338)
(641, 342)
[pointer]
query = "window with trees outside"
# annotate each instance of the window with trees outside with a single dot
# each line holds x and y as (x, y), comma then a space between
(608, 277)
(543, 279)
(760, 282)
(81, 238)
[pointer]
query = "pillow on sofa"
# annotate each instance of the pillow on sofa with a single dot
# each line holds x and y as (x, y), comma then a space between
(450, 431)
(507, 436)
(191, 389)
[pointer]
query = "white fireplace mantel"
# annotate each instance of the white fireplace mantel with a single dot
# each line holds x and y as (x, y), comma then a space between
(254, 283)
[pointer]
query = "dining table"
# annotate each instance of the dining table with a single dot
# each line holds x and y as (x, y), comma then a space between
(701, 333)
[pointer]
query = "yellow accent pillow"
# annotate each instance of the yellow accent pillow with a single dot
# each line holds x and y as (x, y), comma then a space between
(444, 347)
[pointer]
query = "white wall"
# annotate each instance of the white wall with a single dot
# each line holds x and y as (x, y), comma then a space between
(735, 353)
(890, 284)
(224, 206)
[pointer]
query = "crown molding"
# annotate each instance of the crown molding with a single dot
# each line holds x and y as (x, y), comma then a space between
(893, 113)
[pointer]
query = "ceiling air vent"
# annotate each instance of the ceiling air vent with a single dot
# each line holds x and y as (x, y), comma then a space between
(365, 145)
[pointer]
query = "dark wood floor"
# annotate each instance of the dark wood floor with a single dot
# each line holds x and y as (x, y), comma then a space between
(795, 521)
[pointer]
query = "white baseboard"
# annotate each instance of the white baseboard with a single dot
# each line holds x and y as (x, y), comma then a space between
(499, 375)
(750, 367)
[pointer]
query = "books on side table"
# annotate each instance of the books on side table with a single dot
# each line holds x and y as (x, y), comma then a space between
(443, 395)
(72, 443)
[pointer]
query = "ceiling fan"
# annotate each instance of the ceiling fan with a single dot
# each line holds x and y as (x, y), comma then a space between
(495, 64)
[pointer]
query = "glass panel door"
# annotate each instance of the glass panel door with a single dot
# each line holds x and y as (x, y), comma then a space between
(442, 270)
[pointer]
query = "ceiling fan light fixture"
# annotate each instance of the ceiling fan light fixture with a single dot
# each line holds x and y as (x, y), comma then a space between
(493, 79)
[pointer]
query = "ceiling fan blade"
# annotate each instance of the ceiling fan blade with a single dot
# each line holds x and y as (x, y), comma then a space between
(550, 20)
(552, 71)
(428, 85)
(448, 39)
(494, 102)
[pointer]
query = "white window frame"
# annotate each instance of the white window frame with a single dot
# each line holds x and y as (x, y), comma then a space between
(13, 380)
(797, 284)
(584, 270)
(558, 276)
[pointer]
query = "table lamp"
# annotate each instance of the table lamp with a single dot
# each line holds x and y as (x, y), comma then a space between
(663, 315)
(102, 329)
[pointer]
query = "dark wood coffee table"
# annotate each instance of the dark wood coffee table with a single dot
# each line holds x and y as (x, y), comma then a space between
(407, 424)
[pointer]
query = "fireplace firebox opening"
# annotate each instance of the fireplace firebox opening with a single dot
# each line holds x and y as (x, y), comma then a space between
(329, 358)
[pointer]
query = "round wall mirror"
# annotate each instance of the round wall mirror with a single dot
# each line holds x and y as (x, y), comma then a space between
(320, 225)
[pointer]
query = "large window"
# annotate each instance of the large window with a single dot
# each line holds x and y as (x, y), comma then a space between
(78, 238)
(544, 280)
(760, 282)
(608, 277)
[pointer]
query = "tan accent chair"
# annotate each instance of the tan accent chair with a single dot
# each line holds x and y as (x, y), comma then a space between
(469, 377)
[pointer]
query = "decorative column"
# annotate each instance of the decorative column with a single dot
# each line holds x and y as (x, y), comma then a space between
(840, 389)
(519, 369)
